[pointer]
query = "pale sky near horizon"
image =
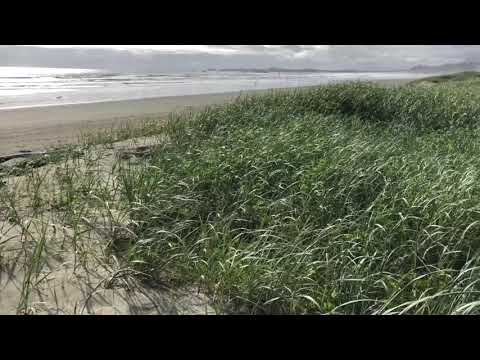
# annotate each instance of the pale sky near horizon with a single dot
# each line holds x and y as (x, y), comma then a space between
(172, 58)
(191, 48)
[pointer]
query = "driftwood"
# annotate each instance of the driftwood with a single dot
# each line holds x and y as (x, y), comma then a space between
(138, 151)
(22, 154)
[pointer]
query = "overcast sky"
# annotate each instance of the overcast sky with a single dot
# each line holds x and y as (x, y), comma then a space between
(178, 58)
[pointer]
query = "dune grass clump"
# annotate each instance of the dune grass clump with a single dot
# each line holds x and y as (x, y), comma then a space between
(346, 199)
(423, 108)
(463, 78)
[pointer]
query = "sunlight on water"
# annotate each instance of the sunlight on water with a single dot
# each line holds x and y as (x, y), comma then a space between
(36, 86)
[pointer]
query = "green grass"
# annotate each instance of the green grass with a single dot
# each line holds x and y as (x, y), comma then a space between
(469, 81)
(463, 76)
(344, 199)
(351, 199)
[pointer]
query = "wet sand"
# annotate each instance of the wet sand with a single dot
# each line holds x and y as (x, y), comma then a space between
(39, 127)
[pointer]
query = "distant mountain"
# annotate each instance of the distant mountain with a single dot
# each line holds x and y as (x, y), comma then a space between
(286, 70)
(447, 68)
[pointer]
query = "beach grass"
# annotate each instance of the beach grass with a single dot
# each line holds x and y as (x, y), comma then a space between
(344, 199)
(469, 80)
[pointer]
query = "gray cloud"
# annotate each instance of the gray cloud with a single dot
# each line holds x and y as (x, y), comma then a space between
(362, 57)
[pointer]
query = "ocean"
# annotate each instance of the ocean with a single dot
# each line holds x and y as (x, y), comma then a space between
(35, 86)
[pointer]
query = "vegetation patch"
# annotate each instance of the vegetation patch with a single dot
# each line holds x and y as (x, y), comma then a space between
(352, 199)
(344, 199)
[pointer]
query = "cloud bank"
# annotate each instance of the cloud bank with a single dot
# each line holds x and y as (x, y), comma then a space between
(180, 58)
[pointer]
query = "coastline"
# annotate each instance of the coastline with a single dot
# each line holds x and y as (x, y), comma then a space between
(34, 128)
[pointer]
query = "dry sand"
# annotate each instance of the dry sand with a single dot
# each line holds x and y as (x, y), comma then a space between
(78, 271)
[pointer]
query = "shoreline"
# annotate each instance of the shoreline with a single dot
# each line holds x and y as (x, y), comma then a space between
(32, 106)
(38, 127)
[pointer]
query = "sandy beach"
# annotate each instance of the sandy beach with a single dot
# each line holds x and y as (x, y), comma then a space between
(38, 127)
